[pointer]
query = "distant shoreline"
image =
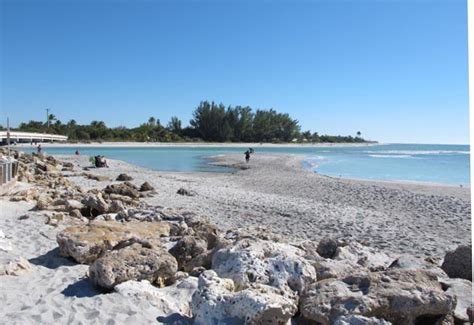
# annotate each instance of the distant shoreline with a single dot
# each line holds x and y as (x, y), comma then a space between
(194, 144)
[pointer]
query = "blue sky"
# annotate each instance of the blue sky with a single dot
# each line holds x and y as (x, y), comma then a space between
(394, 70)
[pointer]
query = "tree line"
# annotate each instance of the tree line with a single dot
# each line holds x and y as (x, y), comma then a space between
(210, 122)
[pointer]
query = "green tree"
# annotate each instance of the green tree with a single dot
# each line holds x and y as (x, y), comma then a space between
(174, 125)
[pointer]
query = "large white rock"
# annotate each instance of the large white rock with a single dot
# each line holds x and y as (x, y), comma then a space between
(252, 260)
(133, 262)
(216, 302)
(463, 291)
(399, 296)
(364, 256)
(169, 300)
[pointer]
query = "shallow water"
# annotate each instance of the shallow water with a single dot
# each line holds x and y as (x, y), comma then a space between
(447, 164)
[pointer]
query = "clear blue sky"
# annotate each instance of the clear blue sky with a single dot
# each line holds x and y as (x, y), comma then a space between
(394, 70)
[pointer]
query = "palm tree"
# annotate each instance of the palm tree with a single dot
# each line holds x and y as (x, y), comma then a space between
(72, 123)
(152, 121)
(359, 134)
(51, 117)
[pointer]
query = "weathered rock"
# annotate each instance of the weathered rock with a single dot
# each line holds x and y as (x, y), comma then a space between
(360, 320)
(364, 256)
(463, 292)
(216, 302)
(116, 206)
(183, 191)
(399, 296)
(11, 264)
(253, 260)
(203, 229)
(470, 314)
(73, 205)
(5, 244)
(76, 214)
(327, 248)
(172, 299)
(67, 164)
(146, 187)
(86, 243)
(328, 268)
(125, 199)
(410, 262)
(139, 214)
(54, 219)
(124, 177)
(458, 263)
(99, 178)
(191, 252)
(126, 189)
(45, 167)
(96, 204)
(43, 201)
(133, 262)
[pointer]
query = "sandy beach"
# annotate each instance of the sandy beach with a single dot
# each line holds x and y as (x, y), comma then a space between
(272, 192)
(275, 192)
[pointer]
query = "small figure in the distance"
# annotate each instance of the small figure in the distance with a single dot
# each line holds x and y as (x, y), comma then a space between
(77, 152)
(247, 156)
(39, 148)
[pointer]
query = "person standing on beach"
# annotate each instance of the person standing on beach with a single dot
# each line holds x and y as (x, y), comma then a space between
(247, 156)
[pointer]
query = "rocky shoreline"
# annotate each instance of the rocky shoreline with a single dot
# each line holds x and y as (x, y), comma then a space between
(109, 243)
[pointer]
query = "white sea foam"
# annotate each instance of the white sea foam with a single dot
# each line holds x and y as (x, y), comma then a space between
(419, 152)
(392, 156)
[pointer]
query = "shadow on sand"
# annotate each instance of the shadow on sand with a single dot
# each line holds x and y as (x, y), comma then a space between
(52, 260)
(175, 319)
(81, 289)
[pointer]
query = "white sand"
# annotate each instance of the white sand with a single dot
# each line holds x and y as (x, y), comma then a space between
(274, 192)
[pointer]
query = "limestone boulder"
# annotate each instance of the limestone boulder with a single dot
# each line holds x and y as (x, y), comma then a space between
(413, 263)
(172, 299)
(252, 260)
(145, 187)
(328, 268)
(360, 320)
(85, 243)
(191, 252)
(133, 262)
(44, 201)
(45, 167)
(126, 189)
(216, 302)
(11, 264)
(462, 291)
(202, 228)
(458, 263)
(327, 247)
(185, 192)
(398, 296)
(364, 256)
(124, 177)
(95, 204)
(73, 205)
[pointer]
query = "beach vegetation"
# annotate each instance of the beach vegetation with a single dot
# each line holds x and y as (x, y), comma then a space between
(211, 122)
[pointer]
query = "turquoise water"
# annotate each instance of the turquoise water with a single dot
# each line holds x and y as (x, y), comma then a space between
(448, 164)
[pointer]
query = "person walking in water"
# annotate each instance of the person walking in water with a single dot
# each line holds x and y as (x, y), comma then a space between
(39, 148)
(247, 156)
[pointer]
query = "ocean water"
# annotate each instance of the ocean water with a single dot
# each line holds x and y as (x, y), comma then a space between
(446, 164)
